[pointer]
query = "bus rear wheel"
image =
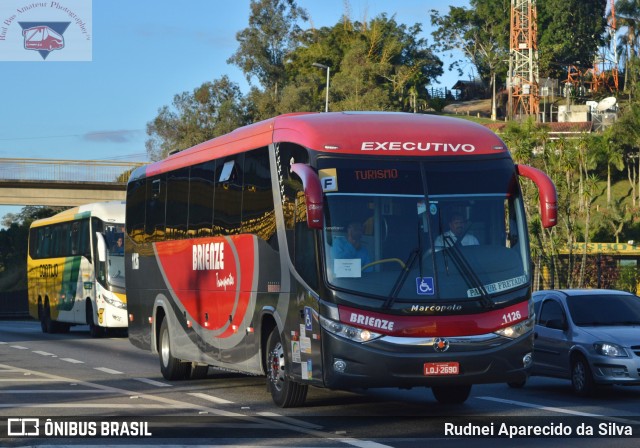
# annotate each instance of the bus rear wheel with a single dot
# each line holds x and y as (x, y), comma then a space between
(172, 368)
(285, 392)
(451, 394)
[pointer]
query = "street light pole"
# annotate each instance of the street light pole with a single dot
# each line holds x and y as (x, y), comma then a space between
(324, 67)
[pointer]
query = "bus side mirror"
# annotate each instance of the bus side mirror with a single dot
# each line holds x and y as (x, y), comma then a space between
(546, 191)
(102, 247)
(312, 194)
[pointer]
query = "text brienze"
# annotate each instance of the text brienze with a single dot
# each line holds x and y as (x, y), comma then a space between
(417, 146)
(208, 257)
(371, 321)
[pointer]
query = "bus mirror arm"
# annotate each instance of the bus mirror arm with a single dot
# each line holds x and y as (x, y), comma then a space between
(312, 194)
(102, 247)
(547, 193)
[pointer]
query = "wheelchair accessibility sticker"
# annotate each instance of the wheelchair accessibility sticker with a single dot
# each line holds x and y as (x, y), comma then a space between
(424, 286)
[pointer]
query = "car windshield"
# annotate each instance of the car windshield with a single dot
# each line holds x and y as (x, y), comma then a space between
(604, 310)
(423, 231)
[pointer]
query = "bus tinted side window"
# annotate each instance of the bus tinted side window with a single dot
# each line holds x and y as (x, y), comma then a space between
(178, 197)
(201, 191)
(228, 195)
(156, 203)
(64, 239)
(136, 192)
(258, 215)
(300, 239)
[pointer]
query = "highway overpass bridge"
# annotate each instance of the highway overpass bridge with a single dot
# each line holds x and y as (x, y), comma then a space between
(62, 182)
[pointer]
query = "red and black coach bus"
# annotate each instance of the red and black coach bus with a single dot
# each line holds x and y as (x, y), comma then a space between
(235, 255)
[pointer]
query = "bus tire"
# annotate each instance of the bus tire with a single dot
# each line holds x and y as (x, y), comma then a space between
(451, 394)
(285, 392)
(172, 368)
(45, 319)
(94, 330)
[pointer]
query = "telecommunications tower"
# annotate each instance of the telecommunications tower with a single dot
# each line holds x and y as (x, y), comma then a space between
(523, 60)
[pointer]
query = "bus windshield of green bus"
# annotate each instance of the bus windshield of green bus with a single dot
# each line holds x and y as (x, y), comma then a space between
(423, 231)
(114, 238)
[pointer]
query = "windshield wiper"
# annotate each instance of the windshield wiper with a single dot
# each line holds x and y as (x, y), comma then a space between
(467, 271)
(413, 256)
(397, 286)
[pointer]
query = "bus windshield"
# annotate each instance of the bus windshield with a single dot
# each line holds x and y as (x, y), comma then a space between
(423, 231)
(114, 237)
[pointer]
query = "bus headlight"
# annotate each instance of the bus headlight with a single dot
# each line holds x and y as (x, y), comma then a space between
(517, 330)
(115, 302)
(347, 331)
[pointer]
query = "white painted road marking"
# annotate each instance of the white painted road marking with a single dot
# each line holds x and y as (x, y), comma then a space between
(108, 370)
(72, 361)
(559, 410)
(153, 382)
(165, 402)
(210, 398)
(44, 353)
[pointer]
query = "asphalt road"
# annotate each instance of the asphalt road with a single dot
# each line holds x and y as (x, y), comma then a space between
(74, 390)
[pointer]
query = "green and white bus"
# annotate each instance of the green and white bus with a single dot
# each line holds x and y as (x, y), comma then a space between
(75, 269)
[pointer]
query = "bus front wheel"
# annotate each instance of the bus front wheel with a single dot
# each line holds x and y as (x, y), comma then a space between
(45, 319)
(451, 394)
(172, 368)
(285, 392)
(94, 330)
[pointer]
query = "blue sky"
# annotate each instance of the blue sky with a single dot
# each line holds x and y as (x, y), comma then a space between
(145, 52)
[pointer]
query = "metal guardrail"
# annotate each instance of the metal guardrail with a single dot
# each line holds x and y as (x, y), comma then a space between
(55, 170)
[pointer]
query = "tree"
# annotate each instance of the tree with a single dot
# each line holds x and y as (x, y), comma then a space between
(627, 14)
(273, 33)
(625, 132)
(213, 109)
(479, 33)
(378, 65)
(570, 32)
(13, 239)
(612, 156)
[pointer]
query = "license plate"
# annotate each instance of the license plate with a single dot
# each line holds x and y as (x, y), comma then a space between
(441, 368)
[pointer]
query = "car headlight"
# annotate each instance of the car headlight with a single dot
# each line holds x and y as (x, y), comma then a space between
(517, 330)
(347, 331)
(609, 349)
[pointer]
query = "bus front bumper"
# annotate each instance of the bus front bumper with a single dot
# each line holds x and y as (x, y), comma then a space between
(403, 362)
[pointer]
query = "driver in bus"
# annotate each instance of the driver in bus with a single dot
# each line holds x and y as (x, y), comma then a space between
(352, 246)
(118, 248)
(457, 234)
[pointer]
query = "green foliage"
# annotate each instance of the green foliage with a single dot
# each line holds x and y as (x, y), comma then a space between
(569, 33)
(213, 109)
(13, 239)
(629, 278)
(272, 34)
(479, 32)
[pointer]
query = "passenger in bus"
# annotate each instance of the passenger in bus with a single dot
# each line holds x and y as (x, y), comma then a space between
(457, 234)
(352, 246)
